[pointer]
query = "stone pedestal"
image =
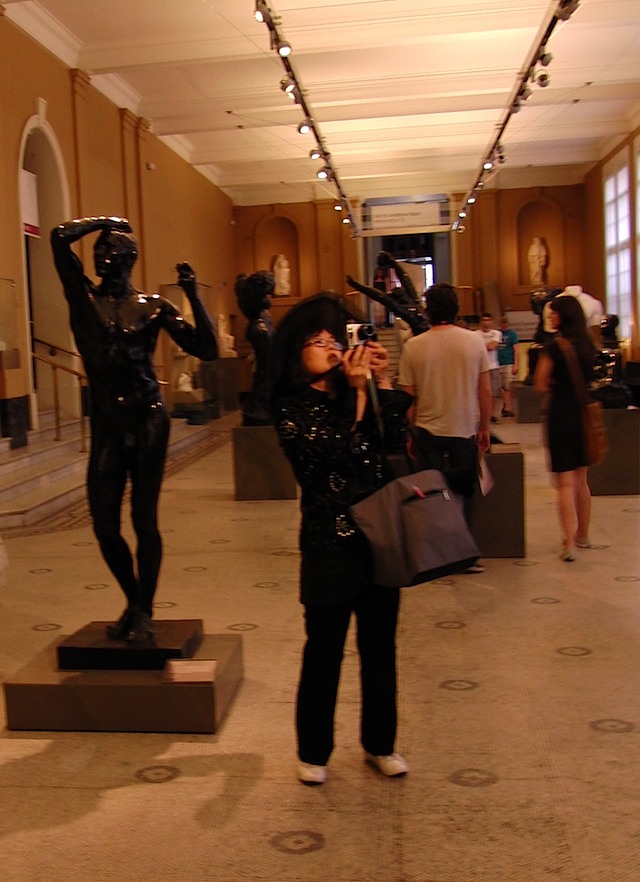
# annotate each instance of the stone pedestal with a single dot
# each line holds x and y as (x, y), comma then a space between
(260, 468)
(42, 697)
(497, 520)
(528, 403)
(619, 472)
(220, 380)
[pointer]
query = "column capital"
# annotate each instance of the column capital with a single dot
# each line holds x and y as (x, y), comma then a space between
(80, 81)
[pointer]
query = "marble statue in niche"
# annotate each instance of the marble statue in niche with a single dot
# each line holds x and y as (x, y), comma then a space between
(282, 276)
(538, 259)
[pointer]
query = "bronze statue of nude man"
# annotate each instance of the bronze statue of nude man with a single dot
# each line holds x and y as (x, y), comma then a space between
(116, 329)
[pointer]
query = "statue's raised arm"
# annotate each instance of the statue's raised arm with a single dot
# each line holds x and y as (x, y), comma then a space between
(398, 303)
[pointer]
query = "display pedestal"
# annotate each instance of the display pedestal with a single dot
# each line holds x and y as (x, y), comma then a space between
(41, 696)
(528, 403)
(497, 520)
(619, 472)
(220, 380)
(260, 468)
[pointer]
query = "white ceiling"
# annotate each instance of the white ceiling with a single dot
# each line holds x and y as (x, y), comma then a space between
(408, 94)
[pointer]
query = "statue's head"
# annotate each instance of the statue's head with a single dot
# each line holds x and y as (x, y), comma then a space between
(253, 292)
(114, 251)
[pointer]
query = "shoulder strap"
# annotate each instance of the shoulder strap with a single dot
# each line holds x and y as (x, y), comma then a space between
(579, 383)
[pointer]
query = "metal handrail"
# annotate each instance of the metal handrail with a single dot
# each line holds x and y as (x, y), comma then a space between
(82, 380)
(56, 348)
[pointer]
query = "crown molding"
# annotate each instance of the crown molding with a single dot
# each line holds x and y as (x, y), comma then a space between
(118, 91)
(36, 22)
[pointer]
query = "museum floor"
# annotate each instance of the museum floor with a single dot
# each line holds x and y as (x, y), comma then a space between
(519, 712)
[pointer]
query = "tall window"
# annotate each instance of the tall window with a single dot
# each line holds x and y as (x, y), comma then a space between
(617, 231)
(637, 167)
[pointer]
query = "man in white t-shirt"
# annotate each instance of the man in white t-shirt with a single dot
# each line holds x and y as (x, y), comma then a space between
(446, 369)
(492, 339)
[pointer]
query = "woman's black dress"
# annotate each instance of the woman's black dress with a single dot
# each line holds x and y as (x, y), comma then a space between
(564, 423)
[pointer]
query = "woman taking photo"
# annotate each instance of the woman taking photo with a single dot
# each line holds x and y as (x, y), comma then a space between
(565, 436)
(330, 434)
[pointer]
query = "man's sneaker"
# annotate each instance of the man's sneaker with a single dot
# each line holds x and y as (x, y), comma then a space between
(392, 765)
(310, 774)
(473, 569)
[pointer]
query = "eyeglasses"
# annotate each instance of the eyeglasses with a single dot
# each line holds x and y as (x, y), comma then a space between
(323, 343)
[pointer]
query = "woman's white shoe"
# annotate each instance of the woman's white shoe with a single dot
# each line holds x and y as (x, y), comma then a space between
(392, 765)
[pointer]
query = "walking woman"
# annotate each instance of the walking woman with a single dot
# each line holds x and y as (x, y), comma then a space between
(328, 430)
(565, 437)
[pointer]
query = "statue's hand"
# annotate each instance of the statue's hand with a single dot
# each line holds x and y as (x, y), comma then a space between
(384, 259)
(116, 223)
(186, 275)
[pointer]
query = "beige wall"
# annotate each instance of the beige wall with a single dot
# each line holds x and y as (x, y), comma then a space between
(317, 244)
(109, 164)
(492, 252)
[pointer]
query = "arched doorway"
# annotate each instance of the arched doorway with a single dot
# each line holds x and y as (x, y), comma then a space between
(46, 310)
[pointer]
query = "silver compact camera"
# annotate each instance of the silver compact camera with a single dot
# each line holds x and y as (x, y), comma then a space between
(359, 332)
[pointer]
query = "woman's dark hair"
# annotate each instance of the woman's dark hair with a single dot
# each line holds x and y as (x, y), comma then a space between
(442, 303)
(573, 325)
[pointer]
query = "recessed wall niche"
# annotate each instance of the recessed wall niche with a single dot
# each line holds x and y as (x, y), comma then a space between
(275, 236)
(541, 219)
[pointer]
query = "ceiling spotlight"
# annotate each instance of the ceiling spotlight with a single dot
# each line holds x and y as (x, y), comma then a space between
(346, 220)
(487, 165)
(566, 8)
(471, 200)
(462, 213)
(543, 79)
(460, 228)
(315, 153)
(545, 58)
(283, 47)
(261, 13)
(338, 206)
(525, 92)
(479, 185)
(324, 173)
(287, 84)
(516, 107)
(305, 126)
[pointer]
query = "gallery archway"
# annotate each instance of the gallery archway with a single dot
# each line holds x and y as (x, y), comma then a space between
(46, 313)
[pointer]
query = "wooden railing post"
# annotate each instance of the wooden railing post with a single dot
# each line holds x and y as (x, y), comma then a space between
(56, 402)
(55, 367)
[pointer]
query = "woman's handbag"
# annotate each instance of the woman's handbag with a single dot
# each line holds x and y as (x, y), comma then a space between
(595, 433)
(416, 529)
(593, 428)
